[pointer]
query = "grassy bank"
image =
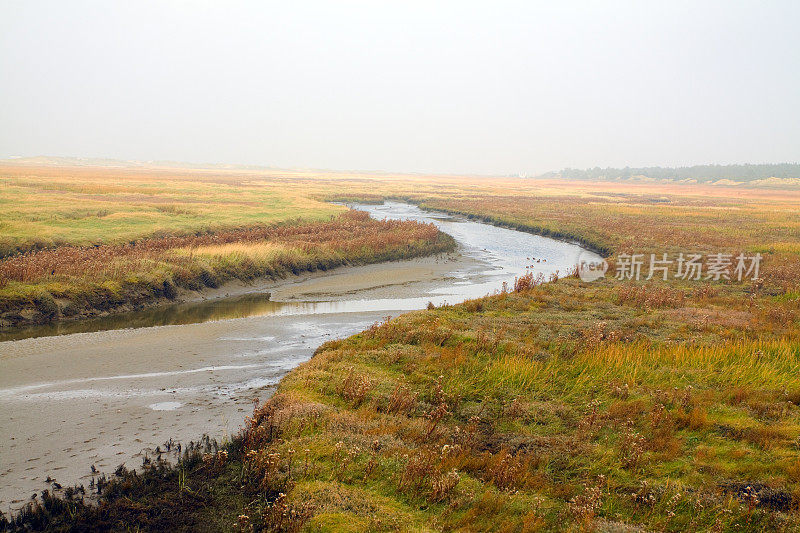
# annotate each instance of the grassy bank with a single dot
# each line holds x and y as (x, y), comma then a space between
(604, 406)
(82, 241)
(561, 406)
(72, 282)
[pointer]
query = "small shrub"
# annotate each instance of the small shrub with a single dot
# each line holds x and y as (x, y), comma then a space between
(508, 471)
(528, 281)
(443, 485)
(632, 446)
(418, 470)
(402, 400)
(282, 516)
(355, 388)
(585, 506)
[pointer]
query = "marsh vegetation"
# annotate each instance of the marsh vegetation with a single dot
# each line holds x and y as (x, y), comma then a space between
(661, 405)
(145, 254)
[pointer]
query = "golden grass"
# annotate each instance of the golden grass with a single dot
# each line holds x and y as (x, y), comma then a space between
(518, 412)
(44, 206)
(669, 406)
(92, 279)
(666, 405)
(260, 251)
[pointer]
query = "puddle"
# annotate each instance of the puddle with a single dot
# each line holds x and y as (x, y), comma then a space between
(165, 406)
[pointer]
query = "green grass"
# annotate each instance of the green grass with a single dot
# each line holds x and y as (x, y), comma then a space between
(569, 406)
(69, 281)
(82, 207)
(562, 407)
(537, 407)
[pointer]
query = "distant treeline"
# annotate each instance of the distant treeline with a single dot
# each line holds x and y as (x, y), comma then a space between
(697, 172)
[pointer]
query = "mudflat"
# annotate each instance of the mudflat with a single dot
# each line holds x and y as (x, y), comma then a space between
(106, 398)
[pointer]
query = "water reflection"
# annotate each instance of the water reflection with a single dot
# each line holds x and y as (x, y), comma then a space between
(174, 314)
(506, 253)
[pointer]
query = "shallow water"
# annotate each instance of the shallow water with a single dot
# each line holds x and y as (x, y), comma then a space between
(506, 253)
(90, 393)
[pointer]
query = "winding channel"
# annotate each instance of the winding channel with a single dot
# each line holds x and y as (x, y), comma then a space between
(104, 392)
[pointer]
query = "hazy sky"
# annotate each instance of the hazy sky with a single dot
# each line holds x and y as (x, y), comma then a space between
(484, 87)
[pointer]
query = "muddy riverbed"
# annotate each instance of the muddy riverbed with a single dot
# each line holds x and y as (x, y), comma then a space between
(95, 394)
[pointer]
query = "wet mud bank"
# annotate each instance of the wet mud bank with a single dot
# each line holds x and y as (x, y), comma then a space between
(71, 400)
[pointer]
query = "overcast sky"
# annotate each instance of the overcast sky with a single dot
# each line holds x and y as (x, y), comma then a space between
(480, 87)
